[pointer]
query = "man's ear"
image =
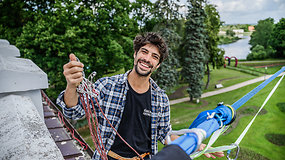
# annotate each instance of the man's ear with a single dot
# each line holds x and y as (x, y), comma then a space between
(135, 54)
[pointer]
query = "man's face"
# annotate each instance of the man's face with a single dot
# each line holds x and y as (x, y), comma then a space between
(146, 60)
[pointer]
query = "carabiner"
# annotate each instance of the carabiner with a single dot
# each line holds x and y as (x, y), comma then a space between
(229, 151)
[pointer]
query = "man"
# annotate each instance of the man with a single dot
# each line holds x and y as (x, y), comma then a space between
(133, 102)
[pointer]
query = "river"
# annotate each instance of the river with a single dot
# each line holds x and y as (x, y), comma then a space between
(240, 49)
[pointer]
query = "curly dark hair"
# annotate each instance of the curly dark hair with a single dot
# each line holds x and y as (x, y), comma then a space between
(152, 38)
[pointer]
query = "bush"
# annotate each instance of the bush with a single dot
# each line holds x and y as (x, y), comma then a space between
(281, 107)
(277, 139)
(230, 33)
(257, 53)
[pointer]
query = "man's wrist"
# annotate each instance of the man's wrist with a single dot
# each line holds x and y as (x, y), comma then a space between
(70, 96)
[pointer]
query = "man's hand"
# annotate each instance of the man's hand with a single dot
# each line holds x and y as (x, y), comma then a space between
(72, 72)
(211, 155)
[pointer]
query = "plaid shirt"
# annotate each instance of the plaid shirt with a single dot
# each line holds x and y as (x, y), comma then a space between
(112, 99)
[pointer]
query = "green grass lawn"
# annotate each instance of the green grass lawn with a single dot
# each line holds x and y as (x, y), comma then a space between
(183, 114)
(226, 77)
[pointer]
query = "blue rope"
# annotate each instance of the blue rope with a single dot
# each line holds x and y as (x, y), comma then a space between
(245, 98)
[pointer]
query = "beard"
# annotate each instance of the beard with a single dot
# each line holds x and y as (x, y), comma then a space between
(141, 73)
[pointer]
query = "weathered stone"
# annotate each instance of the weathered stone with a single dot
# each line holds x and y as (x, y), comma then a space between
(23, 135)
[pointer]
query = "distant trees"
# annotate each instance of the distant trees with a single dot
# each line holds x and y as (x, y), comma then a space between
(268, 40)
(167, 75)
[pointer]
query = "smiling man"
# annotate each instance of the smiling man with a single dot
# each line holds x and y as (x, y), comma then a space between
(133, 102)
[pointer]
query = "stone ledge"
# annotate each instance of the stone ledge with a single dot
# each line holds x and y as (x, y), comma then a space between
(19, 74)
(23, 133)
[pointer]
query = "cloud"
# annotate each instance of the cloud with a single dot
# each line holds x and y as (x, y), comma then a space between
(249, 11)
(246, 11)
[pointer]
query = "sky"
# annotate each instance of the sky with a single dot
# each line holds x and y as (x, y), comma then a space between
(247, 11)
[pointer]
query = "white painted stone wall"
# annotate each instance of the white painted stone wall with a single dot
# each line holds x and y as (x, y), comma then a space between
(20, 76)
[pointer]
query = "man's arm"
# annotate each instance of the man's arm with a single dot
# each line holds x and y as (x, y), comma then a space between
(73, 75)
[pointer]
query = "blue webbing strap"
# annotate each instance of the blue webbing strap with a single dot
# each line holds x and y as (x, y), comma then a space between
(245, 98)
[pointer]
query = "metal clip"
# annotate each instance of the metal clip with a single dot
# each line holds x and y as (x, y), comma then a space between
(229, 151)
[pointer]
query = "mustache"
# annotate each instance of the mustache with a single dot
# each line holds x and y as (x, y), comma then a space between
(144, 61)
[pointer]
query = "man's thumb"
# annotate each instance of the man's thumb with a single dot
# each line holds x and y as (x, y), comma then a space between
(72, 57)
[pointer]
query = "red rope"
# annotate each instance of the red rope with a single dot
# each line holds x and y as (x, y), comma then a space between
(83, 145)
(95, 137)
(93, 129)
(61, 119)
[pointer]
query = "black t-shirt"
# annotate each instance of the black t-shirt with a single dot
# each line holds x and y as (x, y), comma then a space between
(135, 126)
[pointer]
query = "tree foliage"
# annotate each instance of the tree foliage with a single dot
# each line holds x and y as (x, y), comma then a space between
(166, 75)
(15, 14)
(262, 33)
(141, 11)
(101, 33)
(278, 39)
(166, 13)
(215, 55)
(194, 49)
(71, 27)
(257, 53)
(268, 40)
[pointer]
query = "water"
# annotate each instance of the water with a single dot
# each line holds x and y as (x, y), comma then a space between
(239, 49)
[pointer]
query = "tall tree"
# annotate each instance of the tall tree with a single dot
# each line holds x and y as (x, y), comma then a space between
(277, 39)
(262, 33)
(141, 12)
(194, 48)
(215, 55)
(166, 75)
(166, 12)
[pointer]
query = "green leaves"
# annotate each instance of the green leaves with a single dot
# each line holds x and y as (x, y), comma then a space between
(195, 48)
(166, 75)
(262, 33)
(268, 40)
(71, 27)
(278, 38)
